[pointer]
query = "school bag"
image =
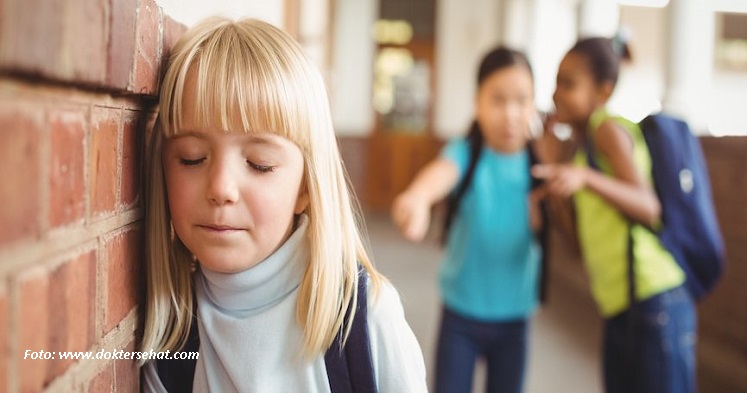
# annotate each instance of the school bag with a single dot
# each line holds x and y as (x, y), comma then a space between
(689, 230)
(350, 369)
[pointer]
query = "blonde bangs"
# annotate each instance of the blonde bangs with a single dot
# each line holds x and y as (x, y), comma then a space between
(244, 81)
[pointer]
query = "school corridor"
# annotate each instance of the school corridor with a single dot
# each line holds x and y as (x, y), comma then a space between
(565, 335)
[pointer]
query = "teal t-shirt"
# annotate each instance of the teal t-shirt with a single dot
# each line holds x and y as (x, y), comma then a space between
(491, 268)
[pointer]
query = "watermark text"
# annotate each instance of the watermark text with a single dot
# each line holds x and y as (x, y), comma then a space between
(114, 354)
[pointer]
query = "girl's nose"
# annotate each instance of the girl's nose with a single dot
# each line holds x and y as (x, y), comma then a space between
(222, 185)
(513, 111)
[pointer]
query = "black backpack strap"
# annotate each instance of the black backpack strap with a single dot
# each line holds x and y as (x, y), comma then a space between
(543, 233)
(177, 375)
(350, 370)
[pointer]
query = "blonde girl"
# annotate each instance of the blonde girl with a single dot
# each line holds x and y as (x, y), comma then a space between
(251, 230)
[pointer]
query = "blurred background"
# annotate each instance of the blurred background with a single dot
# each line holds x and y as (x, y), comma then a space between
(78, 85)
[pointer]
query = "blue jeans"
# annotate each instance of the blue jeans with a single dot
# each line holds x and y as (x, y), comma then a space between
(656, 354)
(461, 340)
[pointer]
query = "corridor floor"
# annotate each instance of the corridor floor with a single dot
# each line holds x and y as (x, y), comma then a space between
(564, 354)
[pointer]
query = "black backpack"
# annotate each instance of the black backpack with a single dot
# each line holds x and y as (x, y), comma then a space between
(349, 369)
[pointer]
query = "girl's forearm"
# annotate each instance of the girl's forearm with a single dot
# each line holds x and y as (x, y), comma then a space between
(434, 181)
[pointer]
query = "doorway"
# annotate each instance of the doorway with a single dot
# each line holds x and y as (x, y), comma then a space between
(403, 87)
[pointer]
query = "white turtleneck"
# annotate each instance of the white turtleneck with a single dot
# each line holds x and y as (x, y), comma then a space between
(250, 340)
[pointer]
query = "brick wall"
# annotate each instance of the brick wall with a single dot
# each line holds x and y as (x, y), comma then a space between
(77, 92)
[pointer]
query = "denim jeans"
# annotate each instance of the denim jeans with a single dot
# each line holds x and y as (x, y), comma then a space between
(461, 341)
(651, 348)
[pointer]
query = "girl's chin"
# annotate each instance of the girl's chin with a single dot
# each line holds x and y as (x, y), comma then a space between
(509, 145)
(567, 118)
(560, 117)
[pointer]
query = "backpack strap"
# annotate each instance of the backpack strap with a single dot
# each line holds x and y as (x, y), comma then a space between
(475, 140)
(351, 370)
(543, 233)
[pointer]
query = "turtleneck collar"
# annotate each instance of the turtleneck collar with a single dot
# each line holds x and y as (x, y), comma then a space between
(249, 292)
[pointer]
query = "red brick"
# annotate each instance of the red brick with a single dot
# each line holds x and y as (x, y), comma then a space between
(30, 36)
(172, 31)
(19, 147)
(147, 48)
(131, 132)
(81, 300)
(86, 40)
(72, 294)
(58, 322)
(103, 159)
(103, 382)
(60, 40)
(121, 51)
(123, 255)
(32, 329)
(4, 340)
(66, 203)
(127, 376)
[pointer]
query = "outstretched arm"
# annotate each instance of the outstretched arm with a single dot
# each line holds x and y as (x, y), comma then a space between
(411, 209)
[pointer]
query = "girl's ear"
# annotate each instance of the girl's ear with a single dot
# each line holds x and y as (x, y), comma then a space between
(604, 91)
(302, 202)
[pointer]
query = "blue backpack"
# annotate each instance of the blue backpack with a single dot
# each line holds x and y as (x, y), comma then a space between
(690, 230)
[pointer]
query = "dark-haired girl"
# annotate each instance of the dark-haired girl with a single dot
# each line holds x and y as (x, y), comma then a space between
(649, 346)
(489, 276)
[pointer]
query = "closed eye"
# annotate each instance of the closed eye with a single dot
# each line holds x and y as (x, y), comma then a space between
(188, 162)
(261, 168)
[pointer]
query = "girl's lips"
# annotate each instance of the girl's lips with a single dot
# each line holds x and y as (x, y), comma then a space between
(219, 228)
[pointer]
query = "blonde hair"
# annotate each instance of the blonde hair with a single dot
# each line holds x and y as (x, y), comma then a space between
(251, 72)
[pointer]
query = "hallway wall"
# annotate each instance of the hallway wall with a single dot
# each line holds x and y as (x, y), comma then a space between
(722, 353)
(78, 81)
